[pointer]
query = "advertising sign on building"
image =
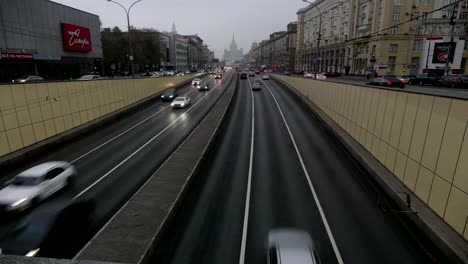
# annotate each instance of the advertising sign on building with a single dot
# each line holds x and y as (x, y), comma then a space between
(76, 38)
(441, 50)
(17, 56)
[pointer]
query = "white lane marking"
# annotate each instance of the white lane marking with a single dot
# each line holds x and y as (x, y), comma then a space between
(249, 183)
(142, 147)
(128, 130)
(322, 214)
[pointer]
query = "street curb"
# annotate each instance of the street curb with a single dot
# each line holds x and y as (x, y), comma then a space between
(452, 246)
(31, 152)
(133, 233)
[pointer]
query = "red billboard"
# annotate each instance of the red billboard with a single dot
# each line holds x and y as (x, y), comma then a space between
(76, 38)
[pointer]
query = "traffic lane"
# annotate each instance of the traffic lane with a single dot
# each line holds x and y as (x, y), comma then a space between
(364, 233)
(207, 227)
(74, 149)
(430, 90)
(93, 167)
(280, 196)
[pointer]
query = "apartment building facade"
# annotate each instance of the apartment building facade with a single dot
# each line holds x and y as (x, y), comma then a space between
(394, 37)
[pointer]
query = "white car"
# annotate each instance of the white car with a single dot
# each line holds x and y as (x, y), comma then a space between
(155, 75)
(90, 77)
(321, 76)
(265, 77)
(196, 81)
(180, 102)
(309, 75)
(256, 86)
(35, 184)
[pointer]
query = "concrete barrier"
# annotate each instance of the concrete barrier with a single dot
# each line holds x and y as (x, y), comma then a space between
(31, 113)
(421, 139)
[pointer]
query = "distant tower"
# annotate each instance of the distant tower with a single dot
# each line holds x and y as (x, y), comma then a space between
(233, 46)
(174, 30)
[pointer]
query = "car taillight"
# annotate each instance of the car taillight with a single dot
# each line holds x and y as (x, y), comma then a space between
(404, 82)
(389, 83)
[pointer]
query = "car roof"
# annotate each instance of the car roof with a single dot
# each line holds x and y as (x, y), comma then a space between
(294, 246)
(40, 169)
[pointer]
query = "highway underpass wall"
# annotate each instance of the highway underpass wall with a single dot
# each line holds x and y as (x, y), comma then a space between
(422, 139)
(30, 113)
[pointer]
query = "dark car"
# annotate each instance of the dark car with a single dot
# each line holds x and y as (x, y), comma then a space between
(388, 82)
(424, 79)
(251, 74)
(203, 87)
(332, 74)
(286, 73)
(55, 231)
(169, 95)
(454, 81)
(28, 78)
(243, 76)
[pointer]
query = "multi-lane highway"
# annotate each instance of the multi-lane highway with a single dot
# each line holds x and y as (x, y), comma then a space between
(274, 165)
(113, 162)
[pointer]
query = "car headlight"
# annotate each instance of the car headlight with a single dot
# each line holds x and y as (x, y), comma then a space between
(19, 203)
(182, 105)
(32, 253)
(172, 104)
(171, 96)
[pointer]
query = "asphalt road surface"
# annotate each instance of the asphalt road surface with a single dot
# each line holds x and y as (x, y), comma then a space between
(113, 162)
(274, 165)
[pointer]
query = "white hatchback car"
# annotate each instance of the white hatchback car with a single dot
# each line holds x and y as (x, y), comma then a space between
(180, 102)
(35, 184)
(265, 77)
(196, 81)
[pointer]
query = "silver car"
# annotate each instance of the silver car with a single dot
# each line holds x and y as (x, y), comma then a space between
(290, 246)
(180, 102)
(35, 184)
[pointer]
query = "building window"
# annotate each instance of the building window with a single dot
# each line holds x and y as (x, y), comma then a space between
(419, 30)
(415, 16)
(393, 48)
(397, 2)
(414, 62)
(464, 15)
(395, 30)
(428, 2)
(391, 63)
(417, 45)
(417, 2)
(396, 16)
(424, 15)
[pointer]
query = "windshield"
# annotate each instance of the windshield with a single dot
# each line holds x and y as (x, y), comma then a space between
(25, 181)
(180, 99)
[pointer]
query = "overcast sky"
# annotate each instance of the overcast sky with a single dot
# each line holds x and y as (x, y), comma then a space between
(214, 20)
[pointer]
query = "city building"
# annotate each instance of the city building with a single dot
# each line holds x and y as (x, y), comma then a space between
(234, 54)
(278, 52)
(392, 37)
(48, 39)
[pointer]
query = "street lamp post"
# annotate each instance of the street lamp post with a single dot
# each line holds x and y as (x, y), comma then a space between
(127, 11)
(319, 34)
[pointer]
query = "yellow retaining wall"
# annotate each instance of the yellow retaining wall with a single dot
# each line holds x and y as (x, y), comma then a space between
(30, 113)
(422, 139)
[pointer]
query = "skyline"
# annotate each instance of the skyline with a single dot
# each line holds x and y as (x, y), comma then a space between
(215, 22)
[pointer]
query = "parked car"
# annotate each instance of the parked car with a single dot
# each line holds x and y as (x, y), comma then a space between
(34, 185)
(321, 76)
(405, 78)
(180, 102)
(169, 95)
(388, 82)
(265, 77)
(291, 246)
(28, 78)
(155, 75)
(243, 76)
(286, 73)
(90, 77)
(424, 79)
(332, 74)
(454, 81)
(256, 86)
(309, 74)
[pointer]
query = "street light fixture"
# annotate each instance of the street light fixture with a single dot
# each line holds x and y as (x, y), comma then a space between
(127, 11)
(319, 34)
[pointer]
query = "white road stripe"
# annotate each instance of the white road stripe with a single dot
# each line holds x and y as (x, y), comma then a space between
(142, 147)
(249, 183)
(322, 214)
(126, 131)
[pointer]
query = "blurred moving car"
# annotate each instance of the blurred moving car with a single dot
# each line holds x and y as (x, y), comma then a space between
(180, 102)
(251, 74)
(256, 86)
(265, 77)
(286, 73)
(243, 76)
(28, 78)
(169, 95)
(55, 231)
(35, 184)
(218, 75)
(196, 81)
(89, 77)
(424, 79)
(405, 78)
(321, 76)
(309, 74)
(204, 87)
(454, 81)
(388, 82)
(291, 246)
